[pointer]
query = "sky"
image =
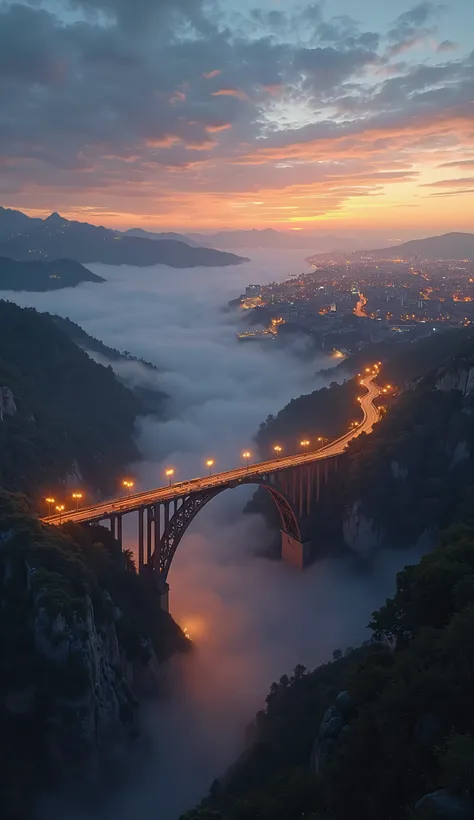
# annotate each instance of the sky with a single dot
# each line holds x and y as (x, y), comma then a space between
(328, 116)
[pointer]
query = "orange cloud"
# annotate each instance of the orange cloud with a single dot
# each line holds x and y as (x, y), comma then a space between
(230, 92)
(211, 74)
(214, 129)
(274, 90)
(162, 142)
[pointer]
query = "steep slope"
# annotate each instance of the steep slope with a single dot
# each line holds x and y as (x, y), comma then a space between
(41, 276)
(65, 414)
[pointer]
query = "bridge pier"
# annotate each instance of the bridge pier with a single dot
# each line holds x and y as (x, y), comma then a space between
(141, 556)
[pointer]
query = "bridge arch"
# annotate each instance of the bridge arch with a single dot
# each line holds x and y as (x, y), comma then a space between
(192, 504)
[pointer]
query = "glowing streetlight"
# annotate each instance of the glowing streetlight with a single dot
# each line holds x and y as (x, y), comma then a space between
(277, 450)
(322, 440)
(50, 501)
(129, 485)
(60, 509)
(210, 464)
(169, 473)
(77, 497)
(246, 455)
(304, 443)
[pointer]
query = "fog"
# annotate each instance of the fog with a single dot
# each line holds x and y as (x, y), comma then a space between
(251, 619)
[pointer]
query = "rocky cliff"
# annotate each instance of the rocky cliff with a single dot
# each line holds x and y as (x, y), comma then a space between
(7, 403)
(81, 639)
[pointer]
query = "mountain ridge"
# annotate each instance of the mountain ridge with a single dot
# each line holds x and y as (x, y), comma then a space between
(452, 245)
(56, 237)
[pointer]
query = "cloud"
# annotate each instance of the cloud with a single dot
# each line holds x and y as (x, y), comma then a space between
(449, 183)
(110, 105)
(409, 29)
(447, 45)
(458, 163)
(230, 92)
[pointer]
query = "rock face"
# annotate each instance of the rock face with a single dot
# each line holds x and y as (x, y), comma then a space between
(360, 533)
(460, 378)
(334, 722)
(103, 710)
(7, 403)
(444, 806)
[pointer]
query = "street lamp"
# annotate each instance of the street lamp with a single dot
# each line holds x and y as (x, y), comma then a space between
(322, 439)
(169, 473)
(304, 443)
(49, 501)
(277, 449)
(60, 509)
(246, 455)
(129, 485)
(210, 464)
(77, 497)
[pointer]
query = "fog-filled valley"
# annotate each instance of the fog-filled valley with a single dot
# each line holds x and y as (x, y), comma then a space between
(252, 619)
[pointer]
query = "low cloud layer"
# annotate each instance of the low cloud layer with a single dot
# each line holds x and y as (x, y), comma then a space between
(252, 619)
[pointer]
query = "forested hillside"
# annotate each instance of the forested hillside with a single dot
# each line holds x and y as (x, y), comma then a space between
(65, 414)
(385, 733)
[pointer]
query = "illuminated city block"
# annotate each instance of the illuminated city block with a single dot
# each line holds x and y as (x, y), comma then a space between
(295, 552)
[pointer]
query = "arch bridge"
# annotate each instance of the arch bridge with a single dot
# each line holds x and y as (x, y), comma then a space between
(164, 514)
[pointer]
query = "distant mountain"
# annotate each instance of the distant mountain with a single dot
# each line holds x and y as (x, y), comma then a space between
(176, 237)
(270, 239)
(14, 222)
(36, 275)
(447, 246)
(59, 238)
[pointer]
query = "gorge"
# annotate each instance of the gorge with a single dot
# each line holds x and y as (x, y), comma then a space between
(250, 619)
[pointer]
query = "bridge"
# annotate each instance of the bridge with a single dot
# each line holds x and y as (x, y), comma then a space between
(165, 513)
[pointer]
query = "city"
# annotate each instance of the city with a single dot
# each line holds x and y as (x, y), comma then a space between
(345, 306)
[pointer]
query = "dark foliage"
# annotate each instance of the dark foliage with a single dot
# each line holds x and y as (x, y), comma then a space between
(71, 412)
(40, 276)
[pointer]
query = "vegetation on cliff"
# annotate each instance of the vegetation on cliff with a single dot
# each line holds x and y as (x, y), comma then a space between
(411, 727)
(79, 630)
(72, 414)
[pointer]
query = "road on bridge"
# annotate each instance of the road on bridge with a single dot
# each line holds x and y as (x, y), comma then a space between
(104, 509)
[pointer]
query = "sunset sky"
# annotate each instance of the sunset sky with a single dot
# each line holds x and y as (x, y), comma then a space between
(335, 117)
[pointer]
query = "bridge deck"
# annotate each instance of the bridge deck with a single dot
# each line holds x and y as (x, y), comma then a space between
(105, 509)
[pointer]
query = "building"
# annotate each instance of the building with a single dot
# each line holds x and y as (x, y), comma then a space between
(253, 290)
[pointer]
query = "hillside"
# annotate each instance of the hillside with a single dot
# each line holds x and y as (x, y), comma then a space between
(448, 246)
(137, 374)
(41, 276)
(61, 413)
(384, 733)
(178, 237)
(59, 238)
